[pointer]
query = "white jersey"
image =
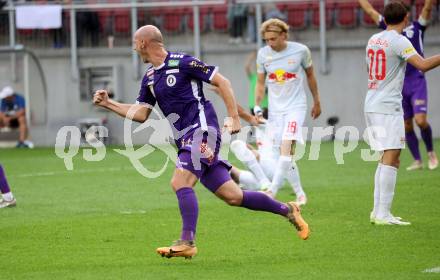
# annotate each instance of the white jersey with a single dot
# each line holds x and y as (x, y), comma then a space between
(386, 56)
(284, 76)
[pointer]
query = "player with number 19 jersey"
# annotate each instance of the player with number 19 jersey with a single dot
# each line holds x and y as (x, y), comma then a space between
(386, 56)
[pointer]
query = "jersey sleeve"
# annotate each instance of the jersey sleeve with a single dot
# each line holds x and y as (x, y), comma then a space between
(197, 69)
(382, 25)
(260, 63)
(145, 97)
(306, 60)
(403, 48)
(421, 24)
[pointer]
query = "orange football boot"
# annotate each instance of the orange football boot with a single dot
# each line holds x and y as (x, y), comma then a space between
(297, 220)
(180, 248)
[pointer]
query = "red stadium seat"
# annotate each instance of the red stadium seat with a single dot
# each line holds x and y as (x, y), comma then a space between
(173, 19)
(203, 14)
(329, 12)
(220, 20)
(297, 15)
(346, 14)
(122, 21)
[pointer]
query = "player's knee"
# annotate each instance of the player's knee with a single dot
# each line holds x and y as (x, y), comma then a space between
(241, 151)
(234, 200)
(409, 125)
(422, 122)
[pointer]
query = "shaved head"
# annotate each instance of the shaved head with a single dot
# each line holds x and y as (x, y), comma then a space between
(148, 33)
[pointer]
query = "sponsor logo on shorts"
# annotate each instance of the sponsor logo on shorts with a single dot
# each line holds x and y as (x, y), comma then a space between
(181, 163)
(419, 102)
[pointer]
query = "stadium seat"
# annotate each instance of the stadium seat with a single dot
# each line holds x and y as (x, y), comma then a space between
(346, 14)
(173, 19)
(122, 21)
(329, 13)
(203, 17)
(366, 19)
(220, 19)
(297, 14)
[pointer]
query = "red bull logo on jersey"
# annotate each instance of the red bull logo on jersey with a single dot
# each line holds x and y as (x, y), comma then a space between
(280, 76)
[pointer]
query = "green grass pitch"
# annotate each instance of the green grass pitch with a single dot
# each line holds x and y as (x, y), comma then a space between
(104, 221)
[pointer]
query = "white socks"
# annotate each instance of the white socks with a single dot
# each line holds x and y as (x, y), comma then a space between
(387, 183)
(248, 158)
(8, 196)
(248, 180)
(294, 180)
(283, 165)
(376, 190)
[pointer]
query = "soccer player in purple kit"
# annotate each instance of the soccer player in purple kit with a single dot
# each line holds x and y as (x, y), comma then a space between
(7, 199)
(174, 82)
(415, 95)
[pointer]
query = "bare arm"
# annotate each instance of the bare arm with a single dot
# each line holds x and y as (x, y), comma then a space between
(313, 85)
(426, 10)
(20, 113)
(227, 94)
(370, 10)
(243, 113)
(424, 64)
(136, 112)
(250, 63)
(259, 88)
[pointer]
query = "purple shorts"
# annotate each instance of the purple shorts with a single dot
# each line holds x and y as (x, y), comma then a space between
(212, 174)
(415, 97)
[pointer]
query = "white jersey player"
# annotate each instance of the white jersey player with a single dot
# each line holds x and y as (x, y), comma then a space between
(386, 55)
(283, 66)
(262, 162)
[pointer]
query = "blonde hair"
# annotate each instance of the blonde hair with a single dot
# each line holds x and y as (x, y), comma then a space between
(274, 25)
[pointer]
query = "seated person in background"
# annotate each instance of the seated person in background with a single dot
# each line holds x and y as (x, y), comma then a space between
(12, 115)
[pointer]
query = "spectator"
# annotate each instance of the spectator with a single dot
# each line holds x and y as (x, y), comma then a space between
(87, 22)
(251, 25)
(271, 11)
(237, 20)
(12, 115)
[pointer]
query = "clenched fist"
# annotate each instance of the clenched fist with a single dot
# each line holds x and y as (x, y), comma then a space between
(100, 98)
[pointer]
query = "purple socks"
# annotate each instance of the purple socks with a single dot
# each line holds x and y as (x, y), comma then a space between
(427, 137)
(413, 144)
(4, 187)
(189, 210)
(261, 202)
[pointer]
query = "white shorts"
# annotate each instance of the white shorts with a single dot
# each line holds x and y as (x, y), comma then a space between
(385, 132)
(287, 126)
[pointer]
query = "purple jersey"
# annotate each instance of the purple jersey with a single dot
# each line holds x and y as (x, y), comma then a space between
(415, 34)
(177, 87)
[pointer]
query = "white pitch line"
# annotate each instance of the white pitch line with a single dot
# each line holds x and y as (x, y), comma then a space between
(130, 212)
(432, 270)
(43, 174)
